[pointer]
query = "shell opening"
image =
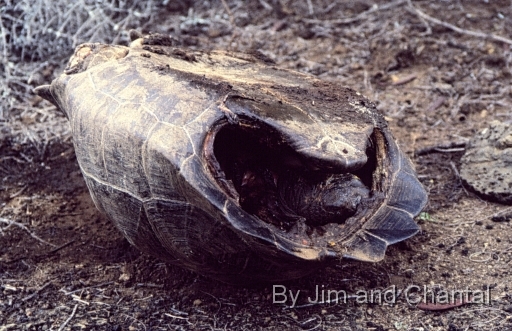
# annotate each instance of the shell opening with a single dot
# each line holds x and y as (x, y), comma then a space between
(255, 166)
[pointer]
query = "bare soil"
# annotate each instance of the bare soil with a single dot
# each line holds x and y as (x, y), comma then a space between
(63, 266)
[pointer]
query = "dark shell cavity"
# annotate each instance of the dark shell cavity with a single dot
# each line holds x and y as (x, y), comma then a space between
(302, 198)
(280, 186)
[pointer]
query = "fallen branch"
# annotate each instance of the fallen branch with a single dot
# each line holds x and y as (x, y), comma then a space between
(363, 15)
(23, 227)
(452, 147)
(69, 318)
(28, 297)
(56, 249)
(477, 34)
(84, 288)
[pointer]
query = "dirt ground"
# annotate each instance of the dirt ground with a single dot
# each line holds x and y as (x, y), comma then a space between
(63, 266)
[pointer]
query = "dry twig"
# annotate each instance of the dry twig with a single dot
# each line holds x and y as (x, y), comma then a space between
(477, 34)
(404, 80)
(84, 288)
(449, 147)
(63, 325)
(310, 7)
(28, 297)
(436, 104)
(23, 227)
(363, 15)
(230, 13)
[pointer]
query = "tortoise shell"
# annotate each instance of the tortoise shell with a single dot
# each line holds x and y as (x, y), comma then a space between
(226, 165)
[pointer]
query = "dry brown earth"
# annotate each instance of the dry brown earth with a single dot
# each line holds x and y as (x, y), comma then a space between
(63, 266)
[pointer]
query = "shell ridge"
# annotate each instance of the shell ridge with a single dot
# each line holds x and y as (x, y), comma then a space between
(366, 247)
(402, 210)
(147, 110)
(144, 152)
(392, 225)
(199, 116)
(366, 232)
(85, 173)
(104, 127)
(191, 142)
(101, 91)
(405, 185)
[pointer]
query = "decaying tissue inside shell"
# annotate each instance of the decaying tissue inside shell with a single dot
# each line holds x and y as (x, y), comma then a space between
(281, 187)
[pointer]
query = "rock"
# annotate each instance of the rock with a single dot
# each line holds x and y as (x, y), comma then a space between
(486, 167)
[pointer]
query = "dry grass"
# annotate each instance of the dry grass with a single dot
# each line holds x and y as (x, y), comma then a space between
(43, 29)
(36, 36)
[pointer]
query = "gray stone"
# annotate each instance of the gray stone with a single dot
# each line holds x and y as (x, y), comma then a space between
(486, 167)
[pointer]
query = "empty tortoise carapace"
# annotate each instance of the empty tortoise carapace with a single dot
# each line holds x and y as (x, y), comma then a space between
(227, 165)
